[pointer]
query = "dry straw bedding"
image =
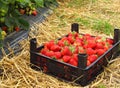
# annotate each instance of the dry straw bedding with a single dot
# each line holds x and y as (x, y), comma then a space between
(18, 74)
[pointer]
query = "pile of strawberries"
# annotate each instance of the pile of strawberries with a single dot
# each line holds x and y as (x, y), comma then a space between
(68, 47)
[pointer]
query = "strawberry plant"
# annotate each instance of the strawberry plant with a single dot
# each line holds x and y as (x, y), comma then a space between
(11, 12)
(76, 44)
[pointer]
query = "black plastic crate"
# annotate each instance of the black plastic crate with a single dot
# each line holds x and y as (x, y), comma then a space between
(82, 74)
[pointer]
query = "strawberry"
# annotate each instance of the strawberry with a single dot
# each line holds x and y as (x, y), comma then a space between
(74, 34)
(43, 51)
(50, 53)
(55, 48)
(22, 11)
(78, 42)
(66, 51)
(57, 55)
(91, 43)
(99, 45)
(66, 58)
(17, 28)
(81, 50)
(73, 62)
(71, 39)
(92, 57)
(100, 52)
(75, 57)
(86, 36)
(49, 44)
(76, 50)
(90, 51)
(110, 41)
(88, 62)
(34, 12)
(61, 43)
(4, 28)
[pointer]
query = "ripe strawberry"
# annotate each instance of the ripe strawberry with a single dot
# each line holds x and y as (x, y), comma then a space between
(66, 51)
(91, 43)
(78, 43)
(75, 57)
(110, 41)
(88, 63)
(92, 57)
(64, 38)
(43, 51)
(57, 55)
(49, 44)
(100, 52)
(71, 39)
(22, 11)
(61, 43)
(90, 51)
(17, 29)
(50, 53)
(4, 28)
(86, 36)
(99, 45)
(76, 50)
(34, 12)
(74, 34)
(81, 50)
(66, 58)
(73, 62)
(55, 48)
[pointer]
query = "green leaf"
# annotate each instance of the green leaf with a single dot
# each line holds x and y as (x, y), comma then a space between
(9, 21)
(39, 3)
(24, 24)
(1, 40)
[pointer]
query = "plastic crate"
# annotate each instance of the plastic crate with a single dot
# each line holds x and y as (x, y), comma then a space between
(82, 74)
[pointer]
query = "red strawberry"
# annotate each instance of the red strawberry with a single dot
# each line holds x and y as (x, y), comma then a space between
(55, 48)
(17, 28)
(66, 51)
(81, 50)
(75, 57)
(66, 58)
(92, 58)
(78, 43)
(43, 51)
(74, 34)
(34, 12)
(64, 39)
(86, 37)
(100, 52)
(99, 45)
(71, 39)
(110, 41)
(91, 43)
(49, 44)
(4, 28)
(76, 50)
(22, 11)
(60, 43)
(88, 63)
(90, 51)
(73, 62)
(57, 55)
(50, 53)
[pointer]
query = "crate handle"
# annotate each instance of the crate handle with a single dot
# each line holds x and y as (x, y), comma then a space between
(75, 27)
(82, 61)
(33, 44)
(116, 35)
